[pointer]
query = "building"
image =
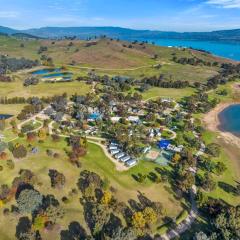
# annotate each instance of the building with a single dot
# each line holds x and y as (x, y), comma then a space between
(131, 163)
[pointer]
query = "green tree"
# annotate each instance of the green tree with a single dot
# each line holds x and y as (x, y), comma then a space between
(29, 200)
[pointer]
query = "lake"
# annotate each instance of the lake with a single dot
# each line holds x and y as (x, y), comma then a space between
(5, 116)
(230, 119)
(222, 49)
(46, 71)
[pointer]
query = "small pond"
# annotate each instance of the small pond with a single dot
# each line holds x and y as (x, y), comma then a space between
(58, 74)
(46, 71)
(5, 116)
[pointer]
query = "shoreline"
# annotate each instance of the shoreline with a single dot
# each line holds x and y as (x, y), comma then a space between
(212, 122)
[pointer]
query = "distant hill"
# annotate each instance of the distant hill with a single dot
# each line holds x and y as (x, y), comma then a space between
(25, 35)
(6, 30)
(125, 33)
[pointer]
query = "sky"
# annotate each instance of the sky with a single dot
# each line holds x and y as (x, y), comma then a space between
(165, 15)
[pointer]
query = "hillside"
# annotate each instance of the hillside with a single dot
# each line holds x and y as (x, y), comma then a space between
(114, 57)
(125, 33)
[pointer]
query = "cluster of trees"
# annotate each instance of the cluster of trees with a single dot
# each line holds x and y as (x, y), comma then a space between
(161, 82)
(14, 64)
(35, 106)
(199, 103)
(223, 219)
(30, 81)
(78, 149)
(194, 61)
(42, 49)
(229, 72)
(19, 100)
(45, 211)
(57, 179)
(103, 213)
(4, 78)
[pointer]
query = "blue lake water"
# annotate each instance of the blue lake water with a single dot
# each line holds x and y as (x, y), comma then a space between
(230, 119)
(226, 50)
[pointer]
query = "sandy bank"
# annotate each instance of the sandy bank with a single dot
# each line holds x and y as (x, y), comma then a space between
(212, 122)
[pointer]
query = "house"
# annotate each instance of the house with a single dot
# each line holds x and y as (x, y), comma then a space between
(119, 155)
(116, 151)
(111, 147)
(133, 119)
(125, 159)
(146, 149)
(174, 148)
(113, 143)
(131, 163)
(115, 119)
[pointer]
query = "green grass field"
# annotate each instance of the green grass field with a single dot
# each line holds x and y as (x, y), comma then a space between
(230, 157)
(16, 89)
(95, 160)
(177, 94)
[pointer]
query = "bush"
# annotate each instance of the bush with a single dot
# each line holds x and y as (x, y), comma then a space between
(10, 164)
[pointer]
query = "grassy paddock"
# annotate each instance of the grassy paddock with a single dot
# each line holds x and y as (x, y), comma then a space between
(95, 160)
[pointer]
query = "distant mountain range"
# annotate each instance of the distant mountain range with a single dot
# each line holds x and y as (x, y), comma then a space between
(122, 33)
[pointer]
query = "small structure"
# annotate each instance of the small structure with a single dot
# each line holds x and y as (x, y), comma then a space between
(125, 159)
(113, 152)
(94, 117)
(131, 163)
(133, 119)
(34, 150)
(163, 144)
(119, 155)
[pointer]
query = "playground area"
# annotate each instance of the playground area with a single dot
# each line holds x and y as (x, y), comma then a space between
(161, 157)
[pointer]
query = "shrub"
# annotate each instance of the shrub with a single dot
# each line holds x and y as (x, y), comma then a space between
(10, 164)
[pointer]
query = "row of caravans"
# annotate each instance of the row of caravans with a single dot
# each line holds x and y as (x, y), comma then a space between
(121, 156)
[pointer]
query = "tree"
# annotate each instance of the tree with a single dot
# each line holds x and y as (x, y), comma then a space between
(138, 220)
(3, 146)
(176, 157)
(208, 182)
(220, 168)
(213, 149)
(200, 236)
(29, 200)
(39, 222)
(106, 198)
(150, 215)
(3, 156)
(54, 213)
(19, 151)
(42, 134)
(57, 179)
(31, 137)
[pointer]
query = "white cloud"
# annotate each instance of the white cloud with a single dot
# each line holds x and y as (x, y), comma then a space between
(225, 3)
(9, 14)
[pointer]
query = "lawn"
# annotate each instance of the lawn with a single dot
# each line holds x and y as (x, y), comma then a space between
(16, 89)
(177, 94)
(95, 160)
(230, 157)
